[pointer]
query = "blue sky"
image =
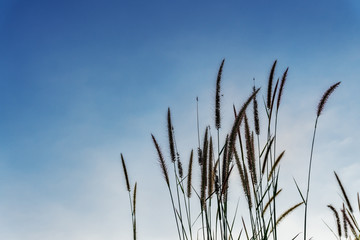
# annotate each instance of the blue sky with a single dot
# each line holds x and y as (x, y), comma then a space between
(82, 81)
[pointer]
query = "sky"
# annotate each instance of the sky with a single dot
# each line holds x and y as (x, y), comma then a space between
(83, 81)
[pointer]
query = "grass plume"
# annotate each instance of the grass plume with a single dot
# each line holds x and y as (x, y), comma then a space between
(287, 212)
(161, 161)
(218, 97)
(171, 136)
(189, 175)
(125, 173)
(237, 122)
(281, 89)
(210, 169)
(256, 114)
(337, 219)
(343, 192)
(325, 97)
(270, 83)
(258, 165)
(250, 151)
(276, 164)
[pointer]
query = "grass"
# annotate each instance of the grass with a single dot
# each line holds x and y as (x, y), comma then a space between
(347, 225)
(201, 210)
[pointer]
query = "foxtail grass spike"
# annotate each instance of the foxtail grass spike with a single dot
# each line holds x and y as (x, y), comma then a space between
(267, 155)
(267, 205)
(189, 175)
(210, 169)
(217, 184)
(204, 151)
(336, 218)
(270, 83)
(351, 226)
(180, 168)
(134, 198)
(273, 97)
(225, 166)
(125, 173)
(253, 156)
(161, 161)
(203, 183)
(236, 124)
(171, 137)
(204, 170)
(344, 193)
(256, 114)
(218, 97)
(199, 151)
(276, 164)
(343, 211)
(249, 151)
(244, 180)
(282, 84)
(288, 212)
(325, 97)
(225, 160)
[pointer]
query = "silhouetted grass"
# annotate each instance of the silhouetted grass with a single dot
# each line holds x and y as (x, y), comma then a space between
(258, 167)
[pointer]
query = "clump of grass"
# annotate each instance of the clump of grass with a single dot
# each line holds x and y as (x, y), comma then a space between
(348, 221)
(260, 187)
(258, 167)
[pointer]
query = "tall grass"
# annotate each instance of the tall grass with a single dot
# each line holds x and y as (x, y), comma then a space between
(202, 209)
(347, 224)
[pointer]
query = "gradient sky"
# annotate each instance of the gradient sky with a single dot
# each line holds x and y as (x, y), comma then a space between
(82, 81)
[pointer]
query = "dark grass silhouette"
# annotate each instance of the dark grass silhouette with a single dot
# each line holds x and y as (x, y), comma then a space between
(202, 212)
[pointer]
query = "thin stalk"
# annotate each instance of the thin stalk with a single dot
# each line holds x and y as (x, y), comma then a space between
(175, 214)
(275, 184)
(308, 181)
(178, 199)
(189, 218)
(261, 189)
(132, 215)
(272, 212)
(219, 214)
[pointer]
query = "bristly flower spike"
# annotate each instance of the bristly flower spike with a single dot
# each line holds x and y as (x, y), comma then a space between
(270, 83)
(171, 137)
(125, 173)
(218, 97)
(325, 97)
(256, 113)
(282, 84)
(161, 161)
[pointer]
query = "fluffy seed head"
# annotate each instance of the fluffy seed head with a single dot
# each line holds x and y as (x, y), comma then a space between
(171, 137)
(161, 161)
(256, 115)
(325, 97)
(125, 173)
(344, 193)
(270, 83)
(282, 84)
(179, 165)
(249, 151)
(210, 169)
(189, 175)
(236, 124)
(336, 218)
(218, 97)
